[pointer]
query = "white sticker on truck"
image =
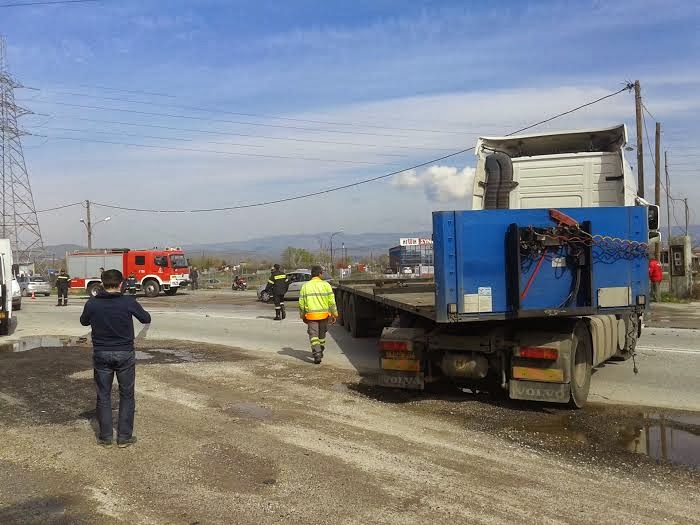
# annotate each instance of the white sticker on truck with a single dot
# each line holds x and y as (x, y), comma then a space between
(479, 302)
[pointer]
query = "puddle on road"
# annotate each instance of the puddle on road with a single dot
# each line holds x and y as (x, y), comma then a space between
(248, 410)
(48, 341)
(675, 439)
(662, 436)
(159, 355)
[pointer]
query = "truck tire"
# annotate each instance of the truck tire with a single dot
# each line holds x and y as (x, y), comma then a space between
(346, 310)
(93, 289)
(581, 366)
(151, 288)
(632, 331)
(357, 326)
(171, 291)
(341, 312)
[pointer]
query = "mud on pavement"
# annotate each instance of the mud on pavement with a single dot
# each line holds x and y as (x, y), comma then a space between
(227, 436)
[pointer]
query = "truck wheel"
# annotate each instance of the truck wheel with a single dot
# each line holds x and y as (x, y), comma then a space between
(341, 311)
(632, 331)
(171, 291)
(93, 289)
(357, 327)
(151, 288)
(346, 310)
(581, 367)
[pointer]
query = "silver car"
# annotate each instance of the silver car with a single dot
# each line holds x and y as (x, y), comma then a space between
(296, 279)
(37, 285)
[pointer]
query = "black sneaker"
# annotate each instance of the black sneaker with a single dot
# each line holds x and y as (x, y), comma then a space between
(123, 443)
(104, 442)
(317, 359)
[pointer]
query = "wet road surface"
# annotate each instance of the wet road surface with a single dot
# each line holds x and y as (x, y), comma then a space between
(227, 436)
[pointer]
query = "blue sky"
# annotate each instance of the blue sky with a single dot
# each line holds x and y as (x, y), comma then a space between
(369, 86)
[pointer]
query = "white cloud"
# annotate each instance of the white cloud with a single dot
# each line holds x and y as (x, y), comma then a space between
(440, 183)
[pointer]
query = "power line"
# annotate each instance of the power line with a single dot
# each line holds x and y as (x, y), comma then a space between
(48, 2)
(646, 132)
(649, 112)
(249, 135)
(256, 115)
(217, 152)
(365, 181)
(238, 122)
(180, 139)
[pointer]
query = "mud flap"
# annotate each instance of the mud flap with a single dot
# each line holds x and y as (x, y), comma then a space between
(537, 391)
(404, 380)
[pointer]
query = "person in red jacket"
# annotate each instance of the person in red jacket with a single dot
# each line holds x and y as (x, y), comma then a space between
(656, 275)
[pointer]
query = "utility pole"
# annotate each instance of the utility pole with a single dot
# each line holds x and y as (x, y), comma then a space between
(685, 201)
(640, 144)
(668, 223)
(657, 187)
(88, 224)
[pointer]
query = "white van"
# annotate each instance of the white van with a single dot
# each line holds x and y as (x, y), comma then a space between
(6, 278)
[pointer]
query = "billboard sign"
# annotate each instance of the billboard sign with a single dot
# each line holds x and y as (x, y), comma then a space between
(415, 241)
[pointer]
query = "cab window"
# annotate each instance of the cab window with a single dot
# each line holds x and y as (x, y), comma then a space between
(140, 260)
(161, 260)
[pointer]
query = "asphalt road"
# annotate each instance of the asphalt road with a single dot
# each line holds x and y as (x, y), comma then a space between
(668, 358)
(260, 435)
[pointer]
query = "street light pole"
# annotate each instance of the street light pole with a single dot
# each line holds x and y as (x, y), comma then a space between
(331, 243)
(88, 223)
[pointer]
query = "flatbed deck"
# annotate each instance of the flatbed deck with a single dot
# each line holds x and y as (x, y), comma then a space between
(414, 295)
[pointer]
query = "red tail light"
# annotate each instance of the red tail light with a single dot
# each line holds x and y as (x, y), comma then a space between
(395, 346)
(530, 352)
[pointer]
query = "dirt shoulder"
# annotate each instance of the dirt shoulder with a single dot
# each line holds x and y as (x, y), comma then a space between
(231, 437)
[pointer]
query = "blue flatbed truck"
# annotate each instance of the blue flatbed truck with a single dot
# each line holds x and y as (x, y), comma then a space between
(524, 301)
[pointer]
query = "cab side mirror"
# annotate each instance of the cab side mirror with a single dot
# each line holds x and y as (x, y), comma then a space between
(653, 217)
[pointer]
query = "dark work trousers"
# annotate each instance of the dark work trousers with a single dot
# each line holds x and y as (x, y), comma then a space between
(106, 363)
(317, 336)
(195, 284)
(279, 306)
(62, 294)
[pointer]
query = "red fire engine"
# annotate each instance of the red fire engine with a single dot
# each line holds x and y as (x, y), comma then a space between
(155, 270)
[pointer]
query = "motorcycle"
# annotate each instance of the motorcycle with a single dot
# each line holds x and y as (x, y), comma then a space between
(239, 286)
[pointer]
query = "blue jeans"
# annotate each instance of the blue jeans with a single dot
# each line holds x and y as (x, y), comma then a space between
(106, 363)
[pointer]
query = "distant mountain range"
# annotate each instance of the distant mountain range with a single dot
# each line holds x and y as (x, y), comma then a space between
(358, 245)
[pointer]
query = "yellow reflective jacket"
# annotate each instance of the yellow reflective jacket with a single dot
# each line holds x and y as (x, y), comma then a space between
(317, 300)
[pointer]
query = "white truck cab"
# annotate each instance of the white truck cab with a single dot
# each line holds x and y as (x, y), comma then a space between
(570, 169)
(6, 279)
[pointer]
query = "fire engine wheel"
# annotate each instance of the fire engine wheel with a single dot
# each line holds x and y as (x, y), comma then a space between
(581, 366)
(94, 289)
(171, 291)
(151, 288)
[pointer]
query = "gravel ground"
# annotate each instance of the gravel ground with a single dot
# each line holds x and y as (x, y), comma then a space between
(227, 436)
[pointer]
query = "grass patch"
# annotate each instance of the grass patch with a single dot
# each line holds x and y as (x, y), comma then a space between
(665, 297)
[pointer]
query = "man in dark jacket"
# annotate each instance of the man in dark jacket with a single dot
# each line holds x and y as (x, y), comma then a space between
(277, 286)
(62, 285)
(110, 316)
(194, 277)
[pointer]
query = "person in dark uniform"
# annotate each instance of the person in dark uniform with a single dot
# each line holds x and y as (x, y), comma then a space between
(194, 277)
(62, 285)
(277, 286)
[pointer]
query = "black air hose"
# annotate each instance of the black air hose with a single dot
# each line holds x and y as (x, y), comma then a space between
(499, 181)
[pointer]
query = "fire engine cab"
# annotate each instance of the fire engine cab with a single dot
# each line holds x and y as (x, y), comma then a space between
(155, 270)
